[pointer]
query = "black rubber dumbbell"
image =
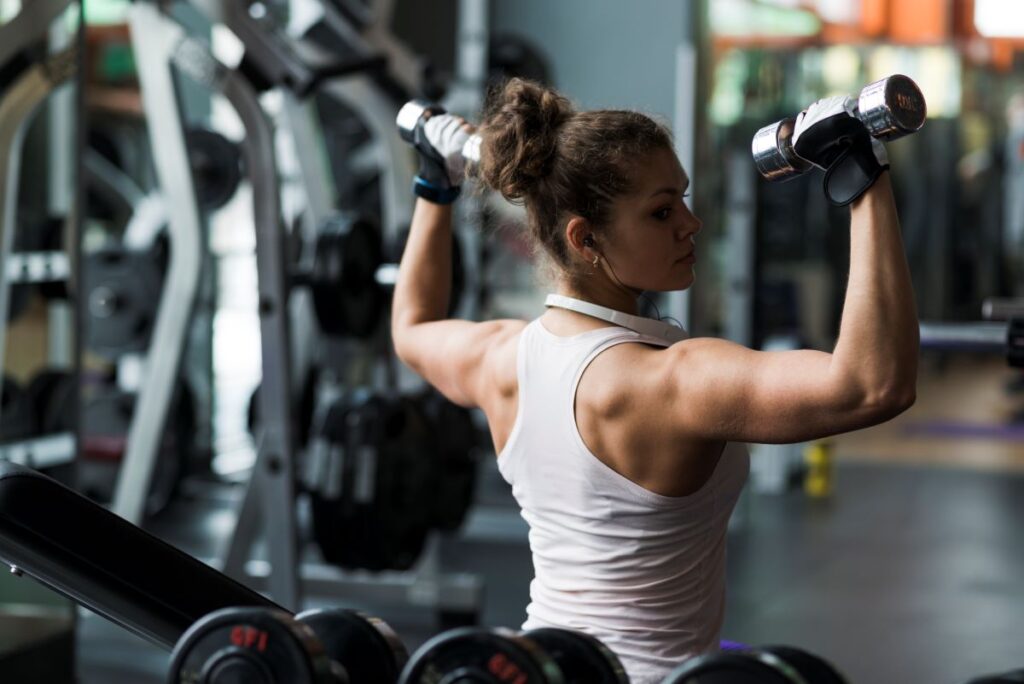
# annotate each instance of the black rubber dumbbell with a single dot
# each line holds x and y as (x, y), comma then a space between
(496, 656)
(259, 646)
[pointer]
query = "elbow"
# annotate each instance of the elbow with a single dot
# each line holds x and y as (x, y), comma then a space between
(890, 401)
(401, 338)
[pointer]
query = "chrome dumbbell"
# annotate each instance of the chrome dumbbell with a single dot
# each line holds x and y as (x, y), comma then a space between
(890, 108)
(414, 113)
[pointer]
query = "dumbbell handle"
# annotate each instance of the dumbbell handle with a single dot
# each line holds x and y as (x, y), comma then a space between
(986, 337)
(889, 109)
(977, 337)
(414, 112)
(995, 309)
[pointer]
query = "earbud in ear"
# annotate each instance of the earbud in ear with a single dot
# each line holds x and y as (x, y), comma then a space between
(588, 241)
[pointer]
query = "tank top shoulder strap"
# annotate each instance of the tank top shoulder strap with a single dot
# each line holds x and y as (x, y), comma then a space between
(547, 365)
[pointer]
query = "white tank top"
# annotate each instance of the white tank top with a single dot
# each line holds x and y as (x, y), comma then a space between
(645, 573)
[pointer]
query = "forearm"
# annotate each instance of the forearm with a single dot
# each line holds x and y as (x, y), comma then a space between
(425, 273)
(878, 342)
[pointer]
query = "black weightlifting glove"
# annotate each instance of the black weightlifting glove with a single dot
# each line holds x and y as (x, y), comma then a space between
(439, 140)
(829, 136)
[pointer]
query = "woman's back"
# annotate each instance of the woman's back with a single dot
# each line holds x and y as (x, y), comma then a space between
(641, 571)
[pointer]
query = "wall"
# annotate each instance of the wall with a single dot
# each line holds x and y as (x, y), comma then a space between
(604, 53)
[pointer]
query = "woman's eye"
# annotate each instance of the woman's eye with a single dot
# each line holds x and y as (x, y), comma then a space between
(662, 214)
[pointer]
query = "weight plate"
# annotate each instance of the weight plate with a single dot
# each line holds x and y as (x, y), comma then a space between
(581, 658)
(249, 645)
(216, 165)
(370, 512)
(366, 647)
(728, 668)
(812, 668)
(480, 656)
(347, 299)
(304, 410)
(122, 292)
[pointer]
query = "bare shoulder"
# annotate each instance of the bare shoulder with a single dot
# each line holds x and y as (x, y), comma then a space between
(623, 375)
(459, 358)
(501, 357)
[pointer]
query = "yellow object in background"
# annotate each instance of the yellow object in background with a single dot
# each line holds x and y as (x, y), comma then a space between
(819, 479)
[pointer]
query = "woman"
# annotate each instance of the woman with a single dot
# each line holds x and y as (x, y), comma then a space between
(621, 438)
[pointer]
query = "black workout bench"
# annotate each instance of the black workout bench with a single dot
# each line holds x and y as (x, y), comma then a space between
(83, 551)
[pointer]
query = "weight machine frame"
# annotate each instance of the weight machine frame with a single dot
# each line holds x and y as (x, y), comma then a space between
(161, 43)
(17, 107)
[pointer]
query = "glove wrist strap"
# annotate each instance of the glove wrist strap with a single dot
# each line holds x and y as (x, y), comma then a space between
(432, 193)
(851, 174)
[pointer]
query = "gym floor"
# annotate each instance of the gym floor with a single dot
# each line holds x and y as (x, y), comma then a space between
(912, 572)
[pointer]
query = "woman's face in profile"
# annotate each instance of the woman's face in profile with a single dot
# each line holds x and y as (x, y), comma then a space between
(650, 242)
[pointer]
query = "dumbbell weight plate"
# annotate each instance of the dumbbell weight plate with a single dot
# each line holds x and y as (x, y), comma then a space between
(892, 107)
(216, 165)
(479, 656)
(122, 291)
(304, 410)
(732, 667)
(369, 512)
(772, 149)
(366, 647)
(250, 645)
(581, 658)
(346, 297)
(811, 667)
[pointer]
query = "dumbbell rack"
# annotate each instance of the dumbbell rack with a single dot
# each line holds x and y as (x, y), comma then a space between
(17, 107)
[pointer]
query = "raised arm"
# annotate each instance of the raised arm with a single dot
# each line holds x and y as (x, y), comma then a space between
(720, 390)
(424, 284)
(451, 355)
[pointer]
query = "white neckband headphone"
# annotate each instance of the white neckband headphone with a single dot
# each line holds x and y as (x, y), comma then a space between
(640, 324)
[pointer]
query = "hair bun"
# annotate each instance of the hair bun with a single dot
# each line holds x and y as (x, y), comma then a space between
(520, 136)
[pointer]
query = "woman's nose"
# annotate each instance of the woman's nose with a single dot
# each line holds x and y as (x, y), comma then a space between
(691, 225)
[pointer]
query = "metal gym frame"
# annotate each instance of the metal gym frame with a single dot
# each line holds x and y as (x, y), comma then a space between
(162, 46)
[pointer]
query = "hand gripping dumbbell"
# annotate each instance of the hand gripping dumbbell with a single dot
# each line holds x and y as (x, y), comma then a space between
(258, 646)
(890, 108)
(540, 656)
(433, 179)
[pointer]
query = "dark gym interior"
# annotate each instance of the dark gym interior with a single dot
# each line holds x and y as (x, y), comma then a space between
(204, 205)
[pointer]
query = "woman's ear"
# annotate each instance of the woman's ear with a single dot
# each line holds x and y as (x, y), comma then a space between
(578, 236)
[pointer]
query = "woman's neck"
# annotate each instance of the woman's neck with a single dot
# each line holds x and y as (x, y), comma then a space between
(603, 294)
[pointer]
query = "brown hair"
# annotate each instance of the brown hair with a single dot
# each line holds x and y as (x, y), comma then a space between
(539, 151)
